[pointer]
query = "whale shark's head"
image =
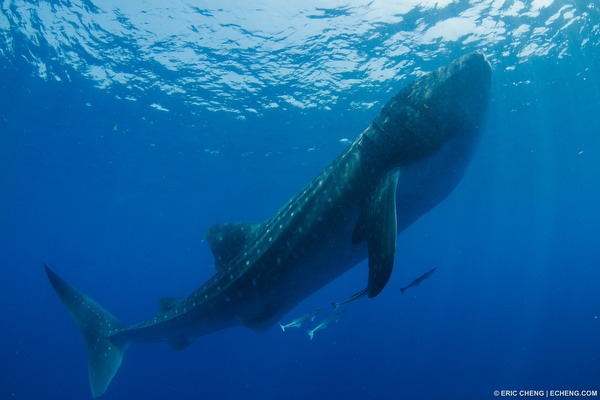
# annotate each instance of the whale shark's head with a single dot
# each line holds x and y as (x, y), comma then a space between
(437, 107)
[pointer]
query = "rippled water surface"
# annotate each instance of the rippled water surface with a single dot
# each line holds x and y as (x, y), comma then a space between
(127, 128)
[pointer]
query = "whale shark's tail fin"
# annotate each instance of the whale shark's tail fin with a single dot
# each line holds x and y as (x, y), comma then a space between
(97, 326)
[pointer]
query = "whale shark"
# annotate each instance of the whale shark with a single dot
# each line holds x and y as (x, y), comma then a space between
(402, 165)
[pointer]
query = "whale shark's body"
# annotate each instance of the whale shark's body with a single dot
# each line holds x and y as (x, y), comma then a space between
(407, 161)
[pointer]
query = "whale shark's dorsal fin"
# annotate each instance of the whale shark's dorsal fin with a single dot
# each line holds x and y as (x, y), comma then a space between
(229, 240)
(377, 225)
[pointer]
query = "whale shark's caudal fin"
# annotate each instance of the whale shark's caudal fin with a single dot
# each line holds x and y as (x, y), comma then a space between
(97, 326)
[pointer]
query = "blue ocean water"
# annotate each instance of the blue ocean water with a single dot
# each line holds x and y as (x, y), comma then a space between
(128, 128)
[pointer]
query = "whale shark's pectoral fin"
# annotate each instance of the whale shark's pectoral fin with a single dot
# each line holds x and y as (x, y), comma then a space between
(377, 225)
(229, 240)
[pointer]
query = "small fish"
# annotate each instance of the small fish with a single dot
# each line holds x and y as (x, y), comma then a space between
(297, 322)
(350, 299)
(325, 323)
(420, 279)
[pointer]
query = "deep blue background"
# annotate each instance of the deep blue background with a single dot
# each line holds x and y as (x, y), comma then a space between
(116, 195)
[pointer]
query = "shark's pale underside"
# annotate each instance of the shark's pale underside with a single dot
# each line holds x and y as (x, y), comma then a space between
(406, 162)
